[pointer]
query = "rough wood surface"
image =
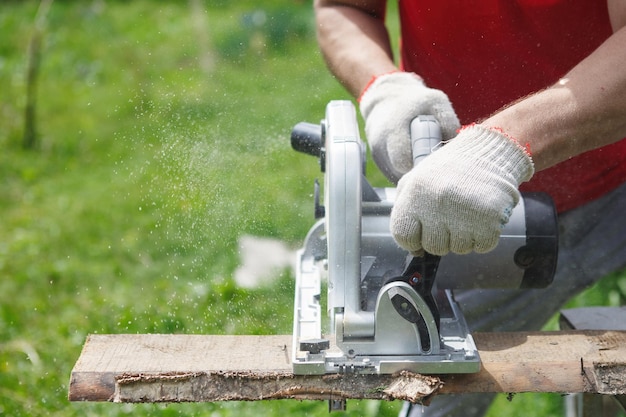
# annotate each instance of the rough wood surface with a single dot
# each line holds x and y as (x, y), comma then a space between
(197, 368)
(592, 361)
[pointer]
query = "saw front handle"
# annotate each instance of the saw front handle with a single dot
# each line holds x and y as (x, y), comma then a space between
(425, 137)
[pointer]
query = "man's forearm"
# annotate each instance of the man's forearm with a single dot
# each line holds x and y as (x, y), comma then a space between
(585, 110)
(354, 41)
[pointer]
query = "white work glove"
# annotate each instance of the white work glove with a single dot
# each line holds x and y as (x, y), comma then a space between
(388, 105)
(460, 197)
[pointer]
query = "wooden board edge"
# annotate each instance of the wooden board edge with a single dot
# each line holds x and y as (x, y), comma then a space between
(248, 386)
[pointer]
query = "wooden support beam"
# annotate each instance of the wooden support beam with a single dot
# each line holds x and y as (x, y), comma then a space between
(197, 368)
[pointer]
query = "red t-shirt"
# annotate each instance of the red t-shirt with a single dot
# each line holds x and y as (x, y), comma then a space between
(488, 53)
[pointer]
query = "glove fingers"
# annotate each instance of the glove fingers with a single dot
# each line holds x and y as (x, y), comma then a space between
(406, 230)
(383, 161)
(399, 149)
(462, 243)
(436, 240)
(479, 243)
(410, 238)
(487, 239)
(450, 125)
(445, 115)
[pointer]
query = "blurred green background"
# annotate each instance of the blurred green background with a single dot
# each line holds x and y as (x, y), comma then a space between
(161, 137)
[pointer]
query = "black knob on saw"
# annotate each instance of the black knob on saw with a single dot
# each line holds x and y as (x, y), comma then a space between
(314, 345)
(307, 138)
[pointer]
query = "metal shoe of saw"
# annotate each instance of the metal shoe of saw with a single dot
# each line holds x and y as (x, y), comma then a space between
(387, 310)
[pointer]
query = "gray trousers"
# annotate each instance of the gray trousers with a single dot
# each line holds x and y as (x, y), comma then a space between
(592, 244)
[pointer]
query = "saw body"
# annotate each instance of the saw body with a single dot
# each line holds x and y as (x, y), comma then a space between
(386, 310)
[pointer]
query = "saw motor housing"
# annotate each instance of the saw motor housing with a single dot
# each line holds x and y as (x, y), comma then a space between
(389, 311)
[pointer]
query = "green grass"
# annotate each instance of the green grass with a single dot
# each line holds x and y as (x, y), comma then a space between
(162, 139)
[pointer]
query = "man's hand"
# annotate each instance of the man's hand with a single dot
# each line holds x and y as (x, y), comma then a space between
(388, 105)
(460, 197)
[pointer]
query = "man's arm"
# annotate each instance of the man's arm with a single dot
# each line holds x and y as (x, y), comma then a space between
(354, 40)
(584, 110)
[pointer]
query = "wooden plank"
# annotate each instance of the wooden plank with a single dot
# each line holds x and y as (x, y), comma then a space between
(181, 368)
(592, 361)
(199, 368)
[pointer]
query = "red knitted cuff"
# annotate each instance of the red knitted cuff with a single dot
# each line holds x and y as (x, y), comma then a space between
(525, 147)
(371, 81)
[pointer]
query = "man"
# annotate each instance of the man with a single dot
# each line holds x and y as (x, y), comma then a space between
(541, 88)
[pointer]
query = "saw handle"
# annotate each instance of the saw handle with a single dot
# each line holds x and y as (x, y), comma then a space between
(425, 137)
(307, 138)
